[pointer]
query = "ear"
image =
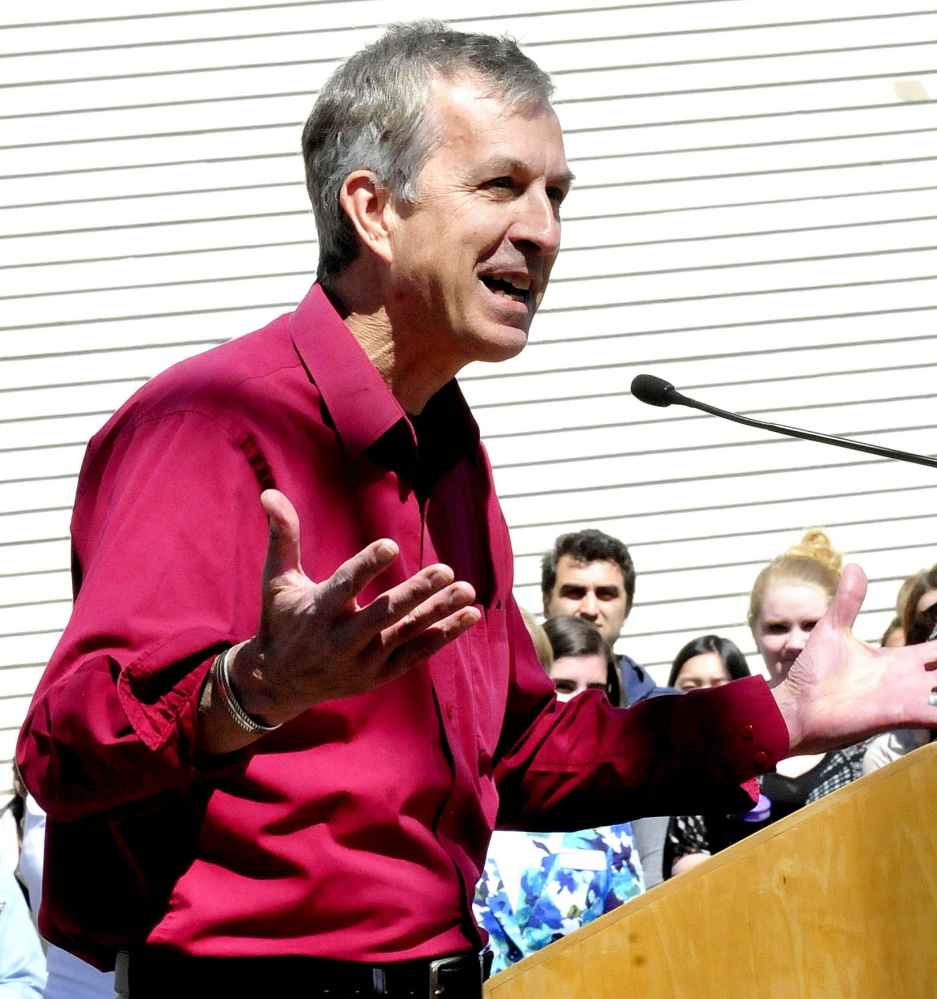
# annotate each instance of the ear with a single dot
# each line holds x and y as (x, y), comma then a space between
(367, 204)
(546, 604)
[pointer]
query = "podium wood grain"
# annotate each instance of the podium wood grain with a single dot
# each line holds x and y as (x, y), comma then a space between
(838, 901)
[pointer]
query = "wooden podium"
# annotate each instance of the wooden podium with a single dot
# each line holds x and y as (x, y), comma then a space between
(838, 901)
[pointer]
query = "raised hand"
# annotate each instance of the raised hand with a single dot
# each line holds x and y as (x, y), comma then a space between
(316, 643)
(841, 690)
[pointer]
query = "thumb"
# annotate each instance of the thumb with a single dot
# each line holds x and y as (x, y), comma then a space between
(283, 543)
(850, 593)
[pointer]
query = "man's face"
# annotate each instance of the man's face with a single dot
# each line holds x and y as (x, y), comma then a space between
(594, 591)
(471, 259)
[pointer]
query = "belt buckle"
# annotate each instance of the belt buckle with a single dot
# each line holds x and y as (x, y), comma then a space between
(437, 988)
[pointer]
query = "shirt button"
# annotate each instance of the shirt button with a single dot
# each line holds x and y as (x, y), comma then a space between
(748, 733)
(761, 759)
(448, 711)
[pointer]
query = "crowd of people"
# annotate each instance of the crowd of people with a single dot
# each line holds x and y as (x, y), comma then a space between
(538, 886)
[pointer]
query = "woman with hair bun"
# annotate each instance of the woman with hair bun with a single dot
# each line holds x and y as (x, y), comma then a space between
(790, 595)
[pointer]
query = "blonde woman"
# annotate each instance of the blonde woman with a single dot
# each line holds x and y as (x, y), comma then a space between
(789, 597)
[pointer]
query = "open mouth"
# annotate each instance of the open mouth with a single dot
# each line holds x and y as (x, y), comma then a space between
(511, 286)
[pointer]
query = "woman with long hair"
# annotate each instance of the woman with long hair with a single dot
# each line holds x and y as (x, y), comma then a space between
(789, 596)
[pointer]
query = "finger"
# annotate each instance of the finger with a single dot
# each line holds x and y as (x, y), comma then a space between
(403, 599)
(354, 574)
(283, 541)
(428, 642)
(845, 606)
(428, 613)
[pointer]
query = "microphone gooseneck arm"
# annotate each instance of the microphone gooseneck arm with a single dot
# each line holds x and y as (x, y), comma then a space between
(656, 392)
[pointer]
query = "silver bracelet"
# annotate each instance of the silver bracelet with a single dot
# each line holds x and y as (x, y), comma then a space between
(243, 719)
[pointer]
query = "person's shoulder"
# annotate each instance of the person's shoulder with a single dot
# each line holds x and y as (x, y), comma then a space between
(638, 684)
(230, 381)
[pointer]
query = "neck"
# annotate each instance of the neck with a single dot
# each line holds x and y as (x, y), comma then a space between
(412, 373)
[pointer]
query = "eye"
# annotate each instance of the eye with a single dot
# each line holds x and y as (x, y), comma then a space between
(809, 625)
(501, 184)
(565, 686)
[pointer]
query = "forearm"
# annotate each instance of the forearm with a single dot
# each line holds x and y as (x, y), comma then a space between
(588, 762)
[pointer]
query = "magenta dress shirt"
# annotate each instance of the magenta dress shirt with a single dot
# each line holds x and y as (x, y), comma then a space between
(357, 830)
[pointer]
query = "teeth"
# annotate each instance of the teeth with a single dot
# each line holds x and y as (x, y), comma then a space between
(522, 284)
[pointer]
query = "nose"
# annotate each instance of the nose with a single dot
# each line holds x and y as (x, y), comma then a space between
(588, 608)
(537, 229)
(797, 639)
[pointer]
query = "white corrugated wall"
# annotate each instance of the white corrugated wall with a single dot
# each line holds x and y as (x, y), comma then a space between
(753, 219)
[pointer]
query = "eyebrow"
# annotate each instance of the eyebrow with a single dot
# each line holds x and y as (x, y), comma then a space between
(509, 164)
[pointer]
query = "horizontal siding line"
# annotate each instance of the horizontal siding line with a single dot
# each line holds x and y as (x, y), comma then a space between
(201, 249)
(672, 482)
(29, 634)
(151, 315)
(76, 171)
(199, 40)
(55, 416)
(195, 281)
(155, 225)
(37, 603)
(849, 165)
(21, 665)
(748, 145)
(731, 355)
(180, 13)
(680, 511)
(152, 105)
(752, 234)
(830, 527)
(647, 213)
(143, 195)
(710, 31)
(96, 381)
(33, 541)
(772, 440)
(838, 525)
(820, 317)
(135, 137)
(31, 572)
(39, 478)
(618, 275)
(752, 57)
(744, 294)
(759, 116)
(904, 72)
(159, 73)
(630, 425)
(41, 447)
(38, 509)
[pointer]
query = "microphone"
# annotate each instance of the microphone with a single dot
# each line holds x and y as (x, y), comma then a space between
(656, 392)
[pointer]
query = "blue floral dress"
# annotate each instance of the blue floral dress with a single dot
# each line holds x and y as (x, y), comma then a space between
(537, 887)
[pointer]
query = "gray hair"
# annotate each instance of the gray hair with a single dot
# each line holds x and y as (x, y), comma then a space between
(372, 114)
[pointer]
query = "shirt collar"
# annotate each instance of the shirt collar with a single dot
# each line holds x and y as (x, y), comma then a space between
(359, 403)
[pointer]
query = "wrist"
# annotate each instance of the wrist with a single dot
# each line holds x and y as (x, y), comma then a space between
(235, 691)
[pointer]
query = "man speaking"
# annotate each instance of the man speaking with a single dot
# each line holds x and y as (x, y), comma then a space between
(262, 770)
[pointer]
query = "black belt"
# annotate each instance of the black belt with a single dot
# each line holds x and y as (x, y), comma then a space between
(152, 974)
